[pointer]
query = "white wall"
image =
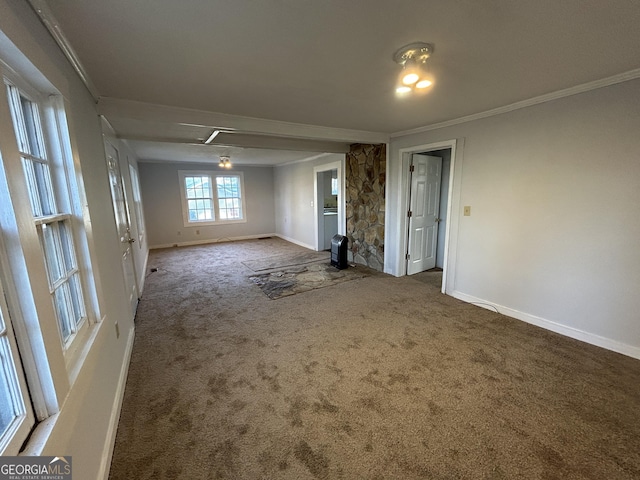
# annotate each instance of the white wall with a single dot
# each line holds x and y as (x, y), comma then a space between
(163, 209)
(553, 234)
(294, 199)
(85, 425)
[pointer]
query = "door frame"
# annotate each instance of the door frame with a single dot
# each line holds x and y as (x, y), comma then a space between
(318, 196)
(451, 227)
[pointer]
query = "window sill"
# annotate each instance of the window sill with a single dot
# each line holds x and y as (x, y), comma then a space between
(213, 224)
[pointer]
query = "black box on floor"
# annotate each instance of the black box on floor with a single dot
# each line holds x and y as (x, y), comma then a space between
(339, 244)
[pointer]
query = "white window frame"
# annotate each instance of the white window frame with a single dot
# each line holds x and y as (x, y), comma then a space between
(183, 174)
(49, 364)
(12, 370)
(59, 185)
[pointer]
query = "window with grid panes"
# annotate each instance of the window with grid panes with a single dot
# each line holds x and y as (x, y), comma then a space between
(209, 198)
(229, 200)
(54, 226)
(199, 198)
(16, 413)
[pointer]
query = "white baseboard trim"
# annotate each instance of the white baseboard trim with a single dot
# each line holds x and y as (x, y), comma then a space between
(212, 240)
(107, 454)
(593, 339)
(297, 242)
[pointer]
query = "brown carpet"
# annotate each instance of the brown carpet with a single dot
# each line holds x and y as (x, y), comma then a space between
(376, 378)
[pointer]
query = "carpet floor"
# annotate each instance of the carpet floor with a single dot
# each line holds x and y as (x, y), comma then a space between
(375, 378)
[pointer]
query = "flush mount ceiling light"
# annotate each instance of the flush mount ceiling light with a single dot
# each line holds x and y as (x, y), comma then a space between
(225, 162)
(414, 75)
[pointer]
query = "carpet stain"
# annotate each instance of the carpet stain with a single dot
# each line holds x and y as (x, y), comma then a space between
(222, 460)
(243, 429)
(238, 405)
(370, 378)
(272, 380)
(164, 406)
(298, 405)
(550, 457)
(434, 408)
(181, 420)
(371, 403)
(309, 367)
(324, 406)
(218, 385)
(315, 462)
(397, 378)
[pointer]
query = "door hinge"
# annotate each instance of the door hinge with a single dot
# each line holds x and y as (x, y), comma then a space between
(407, 256)
(409, 213)
(411, 168)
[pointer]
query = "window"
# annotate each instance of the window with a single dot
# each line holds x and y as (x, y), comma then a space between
(229, 197)
(199, 198)
(209, 198)
(54, 224)
(16, 415)
(48, 296)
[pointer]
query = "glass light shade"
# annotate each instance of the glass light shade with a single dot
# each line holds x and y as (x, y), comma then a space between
(424, 83)
(410, 72)
(403, 89)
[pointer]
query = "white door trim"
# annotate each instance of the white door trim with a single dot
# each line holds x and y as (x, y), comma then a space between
(453, 217)
(318, 211)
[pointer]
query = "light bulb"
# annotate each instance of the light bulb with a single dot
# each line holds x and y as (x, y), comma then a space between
(411, 72)
(424, 83)
(403, 89)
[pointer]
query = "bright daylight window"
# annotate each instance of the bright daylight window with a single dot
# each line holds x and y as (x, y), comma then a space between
(209, 199)
(54, 226)
(199, 198)
(334, 186)
(229, 200)
(16, 416)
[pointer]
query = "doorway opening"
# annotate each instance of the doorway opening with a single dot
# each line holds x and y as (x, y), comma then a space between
(329, 211)
(437, 239)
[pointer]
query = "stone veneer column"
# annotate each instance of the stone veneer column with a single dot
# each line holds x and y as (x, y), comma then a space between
(365, 185)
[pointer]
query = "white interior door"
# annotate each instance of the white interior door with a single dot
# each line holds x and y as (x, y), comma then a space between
(121, 210)
(426, 174)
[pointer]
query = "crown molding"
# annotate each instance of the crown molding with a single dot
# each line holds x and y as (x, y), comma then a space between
(582, 88)
(47, 18)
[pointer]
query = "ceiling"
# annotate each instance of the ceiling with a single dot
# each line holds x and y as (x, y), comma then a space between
(302, 77)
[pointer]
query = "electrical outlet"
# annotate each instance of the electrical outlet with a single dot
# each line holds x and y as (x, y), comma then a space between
(197, 232)
(467, 211)
(179, 232)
